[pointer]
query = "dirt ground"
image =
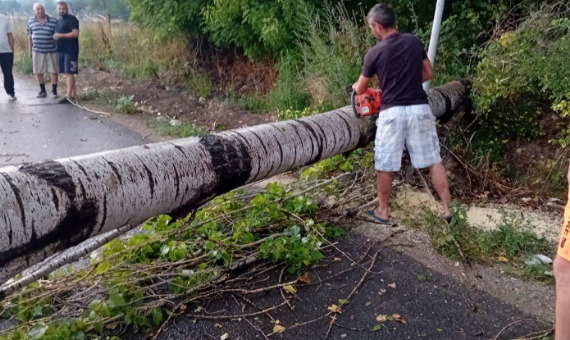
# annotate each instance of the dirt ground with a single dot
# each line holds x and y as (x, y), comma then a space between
(171, 101)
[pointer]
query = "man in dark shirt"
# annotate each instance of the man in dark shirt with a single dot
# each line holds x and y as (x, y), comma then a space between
(401, 64)
(67, 37)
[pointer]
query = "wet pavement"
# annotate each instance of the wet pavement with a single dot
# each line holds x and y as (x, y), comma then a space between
(35, 129)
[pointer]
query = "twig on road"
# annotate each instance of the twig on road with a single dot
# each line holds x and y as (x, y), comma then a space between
(507, 327)
(76, 104)
(536, 335)
(256, 328)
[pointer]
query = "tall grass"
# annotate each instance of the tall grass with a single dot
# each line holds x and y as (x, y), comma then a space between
(331, 51)
(332, 56)
(133, 52)
(22, 59)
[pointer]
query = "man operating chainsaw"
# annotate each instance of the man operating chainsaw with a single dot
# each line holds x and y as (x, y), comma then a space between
(401, 64)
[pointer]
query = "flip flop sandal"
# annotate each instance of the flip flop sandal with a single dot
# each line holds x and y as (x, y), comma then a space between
(380, 220)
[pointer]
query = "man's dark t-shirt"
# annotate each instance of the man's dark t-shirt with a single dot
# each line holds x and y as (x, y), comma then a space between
(65, 25)
(397, 61)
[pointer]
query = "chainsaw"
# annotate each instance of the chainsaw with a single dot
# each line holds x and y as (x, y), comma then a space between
(366, 104)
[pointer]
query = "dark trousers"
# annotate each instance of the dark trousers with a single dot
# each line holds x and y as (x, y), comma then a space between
(6, 63)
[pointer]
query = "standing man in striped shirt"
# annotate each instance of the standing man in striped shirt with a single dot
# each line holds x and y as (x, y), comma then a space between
(43, 48)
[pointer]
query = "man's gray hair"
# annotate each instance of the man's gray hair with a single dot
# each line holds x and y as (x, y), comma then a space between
(382, 14)
(36, 5)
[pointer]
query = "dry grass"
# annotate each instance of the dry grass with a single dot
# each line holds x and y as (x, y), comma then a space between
(20, 36)
(124, 48)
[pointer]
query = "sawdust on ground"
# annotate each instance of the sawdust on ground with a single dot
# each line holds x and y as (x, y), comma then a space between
(409, 201)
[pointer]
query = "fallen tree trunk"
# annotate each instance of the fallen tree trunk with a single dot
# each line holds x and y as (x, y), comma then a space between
(49, 206)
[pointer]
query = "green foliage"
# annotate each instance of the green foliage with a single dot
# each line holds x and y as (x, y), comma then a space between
(334, 41)
(518, 71)
(126, 105)
(357, 159)
(23, 63)
(512, 238)
(198, 84)
(220, 230)
(298, 250)
(262, 28)
(288, 93)
(332, 50)
(170, 17)
(290, 114)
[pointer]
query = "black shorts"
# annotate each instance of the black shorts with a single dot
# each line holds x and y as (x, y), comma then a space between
(68, 63)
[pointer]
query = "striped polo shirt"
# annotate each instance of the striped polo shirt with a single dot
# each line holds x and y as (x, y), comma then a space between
(42, 35)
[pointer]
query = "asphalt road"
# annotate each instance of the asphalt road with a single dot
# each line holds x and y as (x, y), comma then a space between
(35, 129)
(432, 306)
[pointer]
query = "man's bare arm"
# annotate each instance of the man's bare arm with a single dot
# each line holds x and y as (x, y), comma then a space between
(11, 41)
(427, 70)
(361, 84)
(73, 34)
(30, 44)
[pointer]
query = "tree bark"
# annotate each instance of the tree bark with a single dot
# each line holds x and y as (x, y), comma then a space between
(50, 206)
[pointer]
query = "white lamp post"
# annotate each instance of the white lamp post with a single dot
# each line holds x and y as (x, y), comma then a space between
(434, 36)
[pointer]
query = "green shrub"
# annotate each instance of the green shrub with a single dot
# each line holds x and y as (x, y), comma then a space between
(126, 105)
(332, 56)
(199, 84)
(170, 17)
(520, 70)
(264, 29)
(513, 238)
(288, 93)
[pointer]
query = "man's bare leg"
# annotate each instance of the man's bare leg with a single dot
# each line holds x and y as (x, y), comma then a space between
(40, 78)
(74, 89)
(562, 275)
(70, 79)
(439, 180)
(384, 185)
(54, 78)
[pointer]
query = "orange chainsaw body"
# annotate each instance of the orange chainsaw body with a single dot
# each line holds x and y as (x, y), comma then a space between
(368, 103)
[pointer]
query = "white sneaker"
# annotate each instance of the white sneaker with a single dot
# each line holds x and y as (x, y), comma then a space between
(12, 98)
(54, 95)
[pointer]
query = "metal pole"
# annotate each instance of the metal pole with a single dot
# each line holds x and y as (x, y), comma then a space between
(434, 35)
